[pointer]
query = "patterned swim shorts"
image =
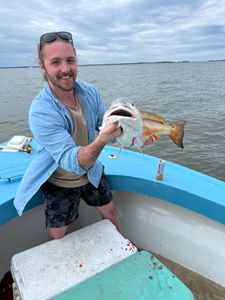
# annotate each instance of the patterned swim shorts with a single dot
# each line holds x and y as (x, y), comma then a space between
(62, 204)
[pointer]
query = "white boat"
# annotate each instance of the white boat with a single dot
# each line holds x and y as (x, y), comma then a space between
(180, 217)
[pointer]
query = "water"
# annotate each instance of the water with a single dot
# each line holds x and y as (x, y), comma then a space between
(194, 92)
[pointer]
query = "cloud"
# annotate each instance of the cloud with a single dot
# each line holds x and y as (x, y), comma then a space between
(116, 31)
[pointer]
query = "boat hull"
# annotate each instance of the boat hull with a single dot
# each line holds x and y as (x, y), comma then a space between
(185, 237)
(180, 217)
(178, 234)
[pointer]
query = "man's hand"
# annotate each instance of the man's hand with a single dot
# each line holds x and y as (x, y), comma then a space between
(150, 139)
(109, 132)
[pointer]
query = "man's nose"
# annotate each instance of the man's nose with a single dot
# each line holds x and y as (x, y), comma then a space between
(65, 68)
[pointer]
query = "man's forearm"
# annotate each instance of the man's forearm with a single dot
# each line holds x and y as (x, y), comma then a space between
(88, 155)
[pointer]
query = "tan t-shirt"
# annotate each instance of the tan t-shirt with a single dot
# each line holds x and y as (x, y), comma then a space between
(62, 177)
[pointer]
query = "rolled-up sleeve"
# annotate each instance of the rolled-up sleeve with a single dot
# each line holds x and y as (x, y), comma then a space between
(50, 129)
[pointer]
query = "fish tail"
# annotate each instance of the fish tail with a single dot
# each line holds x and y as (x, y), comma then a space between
(177, 133)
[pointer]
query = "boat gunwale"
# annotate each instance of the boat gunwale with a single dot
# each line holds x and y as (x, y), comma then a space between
(181, 186)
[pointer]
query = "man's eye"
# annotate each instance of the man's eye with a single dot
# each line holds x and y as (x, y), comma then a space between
(71, 60)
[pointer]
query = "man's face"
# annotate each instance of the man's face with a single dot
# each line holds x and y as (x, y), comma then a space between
(59, 65)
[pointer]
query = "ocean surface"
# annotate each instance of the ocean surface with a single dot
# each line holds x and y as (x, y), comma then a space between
(192, 91)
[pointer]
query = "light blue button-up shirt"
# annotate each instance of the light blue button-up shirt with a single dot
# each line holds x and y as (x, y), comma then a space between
(51, 125)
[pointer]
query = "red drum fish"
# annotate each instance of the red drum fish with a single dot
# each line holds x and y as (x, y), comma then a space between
(137, 126)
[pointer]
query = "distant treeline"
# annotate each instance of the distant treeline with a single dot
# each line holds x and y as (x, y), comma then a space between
(131, 63)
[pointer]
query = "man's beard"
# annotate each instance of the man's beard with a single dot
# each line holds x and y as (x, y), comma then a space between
(56, 82)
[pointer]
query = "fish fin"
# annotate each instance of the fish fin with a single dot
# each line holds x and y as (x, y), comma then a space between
(157, 137)
(121, 147)
(147, 132)
(177, 133)
(117, 155)
(147, 115)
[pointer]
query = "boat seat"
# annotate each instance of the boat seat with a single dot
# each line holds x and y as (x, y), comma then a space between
(13, 173)
(141, 276)
(14, 166)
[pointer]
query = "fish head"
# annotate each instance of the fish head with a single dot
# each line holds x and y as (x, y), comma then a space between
(129, 120)
(121, 107)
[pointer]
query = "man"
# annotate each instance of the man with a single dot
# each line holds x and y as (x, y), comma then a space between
(63, 119)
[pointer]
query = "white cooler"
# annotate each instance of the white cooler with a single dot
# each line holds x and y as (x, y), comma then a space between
(47, 270)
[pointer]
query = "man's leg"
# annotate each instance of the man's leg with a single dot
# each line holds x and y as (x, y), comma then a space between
(109, 212)
(101, 198)
(56, 233)
(61, 208)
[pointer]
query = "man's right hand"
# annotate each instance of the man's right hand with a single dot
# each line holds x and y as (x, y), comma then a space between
(109, 132)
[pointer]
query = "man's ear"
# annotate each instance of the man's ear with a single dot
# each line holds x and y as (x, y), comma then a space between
(41, 64)
(42, 68)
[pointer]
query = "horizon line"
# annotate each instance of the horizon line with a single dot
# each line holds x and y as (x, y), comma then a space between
(122, 63)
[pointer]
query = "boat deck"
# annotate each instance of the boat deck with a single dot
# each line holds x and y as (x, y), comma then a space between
(201, 287)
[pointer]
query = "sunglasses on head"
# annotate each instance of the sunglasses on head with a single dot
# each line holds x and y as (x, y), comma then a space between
(50, 37)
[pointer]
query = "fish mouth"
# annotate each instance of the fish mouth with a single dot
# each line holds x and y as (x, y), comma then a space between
(121, 112)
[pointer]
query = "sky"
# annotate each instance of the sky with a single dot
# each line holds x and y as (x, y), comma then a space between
(115, 31)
